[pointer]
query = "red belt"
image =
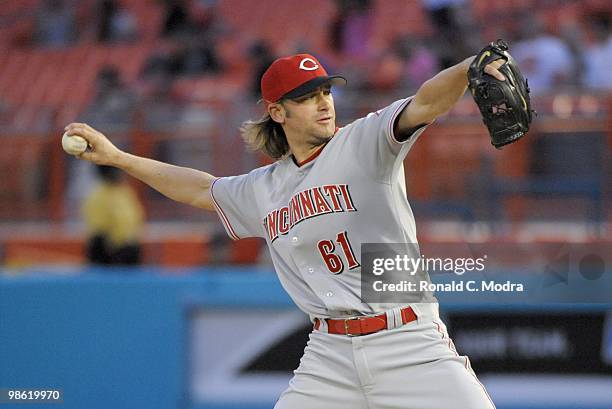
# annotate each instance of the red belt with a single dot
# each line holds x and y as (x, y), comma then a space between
(356, 326)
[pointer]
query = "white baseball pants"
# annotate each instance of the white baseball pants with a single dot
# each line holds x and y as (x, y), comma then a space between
(414, 366)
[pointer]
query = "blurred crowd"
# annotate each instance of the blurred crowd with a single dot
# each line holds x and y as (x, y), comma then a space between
(199, 71)
(573, 54)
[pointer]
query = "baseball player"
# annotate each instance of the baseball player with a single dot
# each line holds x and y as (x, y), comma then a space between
(330, 190)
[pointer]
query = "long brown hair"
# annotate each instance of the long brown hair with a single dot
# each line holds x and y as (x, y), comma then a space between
(265, 135)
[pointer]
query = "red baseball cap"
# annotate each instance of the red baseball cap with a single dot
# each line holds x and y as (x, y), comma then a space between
(294, 76)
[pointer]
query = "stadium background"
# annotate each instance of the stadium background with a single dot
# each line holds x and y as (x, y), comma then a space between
(203, 322)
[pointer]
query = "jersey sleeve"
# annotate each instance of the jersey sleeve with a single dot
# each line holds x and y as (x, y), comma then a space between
(386, 121)
(236, 204)
(375, 145)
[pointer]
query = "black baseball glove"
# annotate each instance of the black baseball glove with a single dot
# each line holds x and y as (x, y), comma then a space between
(504, 105)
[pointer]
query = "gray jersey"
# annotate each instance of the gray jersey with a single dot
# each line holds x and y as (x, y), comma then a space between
(315, 217)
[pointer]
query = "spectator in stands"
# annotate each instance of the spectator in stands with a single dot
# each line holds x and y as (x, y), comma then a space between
(161, 107)
(116, 23)
(55, 24)
(161, 60)
(220, 248)
(196, 55)
(114, 103)
(351, 29)
(176, 18)
(420, 62)
(387, 73)
(573, 37)
(261, 57)
(404, 67)
(114, 218)
(206, 21)
(598, 55)
(455, 36)
(543, 57)
(443, 13)
(195, 27)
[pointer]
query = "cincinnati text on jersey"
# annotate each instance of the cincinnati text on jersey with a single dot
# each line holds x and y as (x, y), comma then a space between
(306, 204)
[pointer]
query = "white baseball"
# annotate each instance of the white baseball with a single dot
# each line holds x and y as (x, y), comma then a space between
(73, 144)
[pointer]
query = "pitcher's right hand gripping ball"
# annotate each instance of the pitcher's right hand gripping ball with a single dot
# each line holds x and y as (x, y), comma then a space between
(504, 105)
(101, 150)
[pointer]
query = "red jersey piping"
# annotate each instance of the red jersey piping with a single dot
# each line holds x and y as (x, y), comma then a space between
(313, 156)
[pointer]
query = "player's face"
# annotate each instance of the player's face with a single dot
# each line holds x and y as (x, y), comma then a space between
(311, 117)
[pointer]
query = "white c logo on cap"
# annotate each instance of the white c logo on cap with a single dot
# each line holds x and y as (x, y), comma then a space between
(312, 66)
